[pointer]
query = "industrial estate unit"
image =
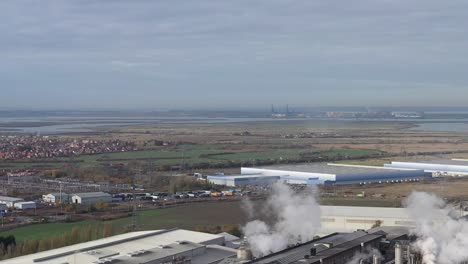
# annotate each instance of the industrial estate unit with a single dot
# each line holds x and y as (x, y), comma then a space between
(312, 174)
(454, 167)
(176, 246)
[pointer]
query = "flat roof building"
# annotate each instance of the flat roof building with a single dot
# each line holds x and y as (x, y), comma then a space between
(321, 173)
(137, 247)
(10, 201)
(242, 180)
(333, 248)
(91, 198)
(455, 167)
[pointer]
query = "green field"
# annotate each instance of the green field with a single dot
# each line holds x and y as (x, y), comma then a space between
(188, 216)
(184, 216)
(39, 231)
(190, 155)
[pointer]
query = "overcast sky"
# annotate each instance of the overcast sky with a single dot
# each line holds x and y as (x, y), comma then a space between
(236, 53)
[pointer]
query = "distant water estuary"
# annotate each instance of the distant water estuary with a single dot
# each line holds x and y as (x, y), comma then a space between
(441, 127)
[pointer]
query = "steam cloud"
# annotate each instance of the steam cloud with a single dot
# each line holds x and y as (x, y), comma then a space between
(297, 220)
(442, 238)
(367, 254)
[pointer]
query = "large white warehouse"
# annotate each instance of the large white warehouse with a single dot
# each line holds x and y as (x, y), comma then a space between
(241, 180)
(160, 246)
(455, 167)
(321, 173)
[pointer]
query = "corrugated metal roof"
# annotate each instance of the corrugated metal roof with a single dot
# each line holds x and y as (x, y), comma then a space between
(325, 168)
(10, 199)
(356, 211)
(57, 194)
(92, 194)
(125, 243)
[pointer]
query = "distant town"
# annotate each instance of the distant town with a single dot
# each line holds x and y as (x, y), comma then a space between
(41, 147)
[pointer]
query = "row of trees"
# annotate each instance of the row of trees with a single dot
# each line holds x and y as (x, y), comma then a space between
(7, 244)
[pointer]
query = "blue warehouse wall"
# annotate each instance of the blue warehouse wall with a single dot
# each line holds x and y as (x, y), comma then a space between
(381, 176)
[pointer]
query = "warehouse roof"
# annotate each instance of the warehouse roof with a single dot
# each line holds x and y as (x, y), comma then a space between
(330, 168)
(458, 162)
(331, 252)
(340, 242)
(92, 194)
(433, 165)
(10, 199)
(242, 176)
(28, 202)
(121, 244)
(57, 194)
(356, 211)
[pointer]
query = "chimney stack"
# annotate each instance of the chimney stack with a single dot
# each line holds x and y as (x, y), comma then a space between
(244, 253)
(398, 254)
(375, 259)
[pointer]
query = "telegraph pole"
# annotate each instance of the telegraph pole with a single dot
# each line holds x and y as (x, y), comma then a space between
(134, 212)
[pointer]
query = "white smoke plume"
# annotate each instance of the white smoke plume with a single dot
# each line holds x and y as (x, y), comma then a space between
(248, 207)
(442, 237)
(367, 255)
(296, 220)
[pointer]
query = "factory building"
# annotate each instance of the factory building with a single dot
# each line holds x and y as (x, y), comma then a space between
(241, 180)
(311, 174)
(378, 245)
(25, 205)
(156, 247)
(56, 198)
(10, 201)
(91, 198)
(455, 167)
(349, 218)
(175, 246)
(336, 248)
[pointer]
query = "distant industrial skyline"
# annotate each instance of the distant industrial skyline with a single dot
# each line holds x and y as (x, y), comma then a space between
(244, 54)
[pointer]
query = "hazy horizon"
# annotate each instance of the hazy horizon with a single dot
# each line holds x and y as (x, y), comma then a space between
(210, 54)
(265, 109)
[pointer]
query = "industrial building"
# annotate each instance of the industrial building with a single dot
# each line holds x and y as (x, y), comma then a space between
(25, 205)
(160, 246)
(454, 167)
(10, 201)
(335, 248)
(91, 198)
(378, 245)
(350, 218)
(56, 198)
(241, 180)
(311, 174)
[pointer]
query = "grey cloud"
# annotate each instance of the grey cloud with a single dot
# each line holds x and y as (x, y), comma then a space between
(208, 44)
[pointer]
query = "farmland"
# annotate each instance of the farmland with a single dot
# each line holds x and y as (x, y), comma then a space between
(185, 216)
(188, 216)
(188, 155)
